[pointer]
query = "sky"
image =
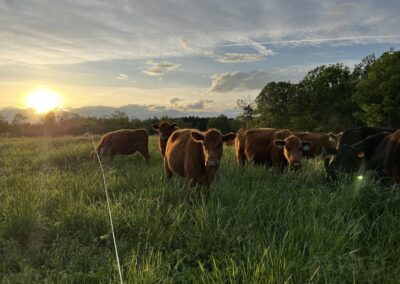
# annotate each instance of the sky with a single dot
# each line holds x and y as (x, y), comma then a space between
(189, 56)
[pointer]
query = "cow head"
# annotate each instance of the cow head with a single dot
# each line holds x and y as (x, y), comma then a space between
(293, 148)
(347, 159)
(212, 141)
(165, 130)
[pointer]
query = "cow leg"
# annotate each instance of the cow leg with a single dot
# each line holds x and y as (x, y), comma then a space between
(167, 170)
(146, 156)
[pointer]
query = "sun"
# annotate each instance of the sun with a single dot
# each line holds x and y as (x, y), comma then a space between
(43, 100)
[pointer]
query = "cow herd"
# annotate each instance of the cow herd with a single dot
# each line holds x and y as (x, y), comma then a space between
(196, 155)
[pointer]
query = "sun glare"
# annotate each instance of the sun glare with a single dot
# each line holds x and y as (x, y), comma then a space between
(43, 100)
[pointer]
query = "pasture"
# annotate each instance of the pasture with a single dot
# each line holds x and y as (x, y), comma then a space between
(258, 226)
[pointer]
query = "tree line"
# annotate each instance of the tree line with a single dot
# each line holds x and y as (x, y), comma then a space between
(328, 98)
(333, 97)
(66, 123)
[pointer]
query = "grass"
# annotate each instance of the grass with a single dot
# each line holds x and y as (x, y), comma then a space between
(259, 226)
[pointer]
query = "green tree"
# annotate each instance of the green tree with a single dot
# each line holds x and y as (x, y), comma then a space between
(323, 100)
(248, 111)
(378, 93)
(220, 122)
(273, 104)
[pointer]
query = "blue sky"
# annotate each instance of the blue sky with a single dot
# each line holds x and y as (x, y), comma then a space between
(184, 55)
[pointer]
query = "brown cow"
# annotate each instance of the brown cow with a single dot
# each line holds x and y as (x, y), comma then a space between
(320, 142)
(124, 142)
(195, 155)
(392, 156)
(274, 147)
(239, 149)
(165, 130)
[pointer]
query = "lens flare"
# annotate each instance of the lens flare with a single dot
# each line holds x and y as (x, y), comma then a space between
(360, 177)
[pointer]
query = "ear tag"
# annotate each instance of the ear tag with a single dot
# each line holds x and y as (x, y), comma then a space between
(306, 147)
(361, 155)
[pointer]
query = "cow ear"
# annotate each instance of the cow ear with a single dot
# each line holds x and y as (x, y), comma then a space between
(279, 144)
(173, 126)
(155, 127)
(306, 145)
(361, 154)
(228, 138)
(332, 137)
(197, 136)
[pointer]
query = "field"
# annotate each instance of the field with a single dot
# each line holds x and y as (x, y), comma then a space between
(259, 226)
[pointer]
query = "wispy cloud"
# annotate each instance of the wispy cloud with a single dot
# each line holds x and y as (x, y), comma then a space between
(122, 76)
(174, 101)
(240, 57)
(159, 68)
(239, 81)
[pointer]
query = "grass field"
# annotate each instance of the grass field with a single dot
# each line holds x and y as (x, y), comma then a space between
(259, 226)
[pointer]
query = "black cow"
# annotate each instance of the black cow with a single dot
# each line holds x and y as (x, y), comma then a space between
(358, 151)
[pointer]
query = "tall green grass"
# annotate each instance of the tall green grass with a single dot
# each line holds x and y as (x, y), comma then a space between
(258, 226)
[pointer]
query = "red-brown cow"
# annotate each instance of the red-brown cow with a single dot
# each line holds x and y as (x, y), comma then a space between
(165, 130)
(124, 142)
(195, 155)
(320, 142)
(274, 147)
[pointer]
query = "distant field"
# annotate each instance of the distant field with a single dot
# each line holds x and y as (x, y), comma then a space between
(259, 226)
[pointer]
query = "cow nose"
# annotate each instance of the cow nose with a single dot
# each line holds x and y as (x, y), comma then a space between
(211, 163)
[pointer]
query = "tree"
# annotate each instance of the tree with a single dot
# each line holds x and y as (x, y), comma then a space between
(19, 119)
(378, 93)
(323, 100)
(247, 107)
(273, 104)
(220, 122)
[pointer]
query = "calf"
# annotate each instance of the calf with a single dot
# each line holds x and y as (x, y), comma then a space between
(124, 142)
(165, 130)
(195, 155)
(274, 147)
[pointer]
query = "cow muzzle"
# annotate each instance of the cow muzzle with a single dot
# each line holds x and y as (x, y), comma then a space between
(212, 163)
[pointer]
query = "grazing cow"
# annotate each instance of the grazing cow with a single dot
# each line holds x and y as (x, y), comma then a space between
(124, 142)
(165, 130)
(274, 147)
(358, 150)
(239, 146)
(195, 155)
(320, 142)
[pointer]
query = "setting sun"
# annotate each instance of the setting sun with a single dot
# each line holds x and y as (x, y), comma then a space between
(43, 100)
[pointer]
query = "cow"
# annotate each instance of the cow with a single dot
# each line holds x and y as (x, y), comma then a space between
(123, 142)
(165, 130)
(320, 142)
(239, 149)
(195, 155)
(279, 148)
(358, 150)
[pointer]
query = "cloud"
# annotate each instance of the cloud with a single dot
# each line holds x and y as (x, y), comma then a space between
(198, 105)
(184, 44)
(240, 57)
(45, 32)
(260, 48)
(175, 100)
(122, 76)
(159, 68)
(239, 81)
